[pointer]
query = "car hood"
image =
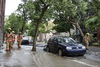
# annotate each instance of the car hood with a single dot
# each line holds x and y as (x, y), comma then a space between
(73, 44)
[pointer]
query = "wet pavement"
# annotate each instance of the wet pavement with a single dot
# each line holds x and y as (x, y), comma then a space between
(24, 57)
(94, 48)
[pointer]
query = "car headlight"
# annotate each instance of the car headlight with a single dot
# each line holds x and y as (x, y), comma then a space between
(68, 48)
(83, 47)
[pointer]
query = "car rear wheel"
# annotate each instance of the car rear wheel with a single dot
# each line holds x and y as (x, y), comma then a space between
(60, 53)
(48, 50)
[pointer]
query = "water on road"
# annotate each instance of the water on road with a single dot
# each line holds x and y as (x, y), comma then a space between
(24, 57)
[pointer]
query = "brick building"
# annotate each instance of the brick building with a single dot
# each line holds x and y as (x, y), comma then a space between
(2, 13)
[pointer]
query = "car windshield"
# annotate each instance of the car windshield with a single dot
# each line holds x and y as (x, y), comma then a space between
(66, 40)
(25, 38)
(69, 40)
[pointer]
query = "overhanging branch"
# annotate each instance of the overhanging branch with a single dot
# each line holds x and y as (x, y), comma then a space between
(43, 2)
(79, 19)
(68, 20)
(72, 23)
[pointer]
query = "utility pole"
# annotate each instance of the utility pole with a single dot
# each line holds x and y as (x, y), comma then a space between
(2, 13)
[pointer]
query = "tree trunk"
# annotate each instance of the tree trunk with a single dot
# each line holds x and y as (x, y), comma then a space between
(24, 15)
(77, 25)
(45, 38)
(22, 27)
(69, 33)
(37, 27)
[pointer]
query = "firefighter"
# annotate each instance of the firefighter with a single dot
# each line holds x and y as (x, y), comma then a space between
(19, 40)
(13, 40)
(87, 40)
(8, 38)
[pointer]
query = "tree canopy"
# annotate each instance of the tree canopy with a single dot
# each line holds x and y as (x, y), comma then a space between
(65, 14)
(15, 23)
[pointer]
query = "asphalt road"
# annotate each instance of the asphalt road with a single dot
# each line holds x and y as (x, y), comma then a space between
(24, 57)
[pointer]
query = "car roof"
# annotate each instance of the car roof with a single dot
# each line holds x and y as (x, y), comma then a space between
(61, 37)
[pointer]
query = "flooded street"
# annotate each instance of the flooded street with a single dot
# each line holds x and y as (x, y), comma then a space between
(24, 57)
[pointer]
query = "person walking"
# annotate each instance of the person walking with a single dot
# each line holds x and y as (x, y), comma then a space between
(87, 40)
(19, 40)
(13, 40)
(8, 37)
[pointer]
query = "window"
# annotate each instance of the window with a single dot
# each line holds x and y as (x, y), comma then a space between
(51, 39)
(60, 40)
(55, 39)
(66, 40)
(69, 40)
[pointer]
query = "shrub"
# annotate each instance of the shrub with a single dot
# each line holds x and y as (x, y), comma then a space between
(92, 39)
(99, 42)
(95, 44)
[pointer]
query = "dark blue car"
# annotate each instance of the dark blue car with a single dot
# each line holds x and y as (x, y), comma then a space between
(65, 46)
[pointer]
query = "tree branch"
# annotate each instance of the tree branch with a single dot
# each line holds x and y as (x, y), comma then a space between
(43, 2)
(74, 19)
(72, 23)
(79, 19)
(68, 21)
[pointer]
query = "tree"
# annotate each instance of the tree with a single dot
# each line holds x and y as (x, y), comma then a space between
(41, 10)
(22, 8)
(93, 23)
(72, 11)
(62, 26)
(14, 22)
(92, 20)
(39, 14)
(35, 11)
(38, 23)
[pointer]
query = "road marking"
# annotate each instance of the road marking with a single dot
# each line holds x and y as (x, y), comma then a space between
(84, 63)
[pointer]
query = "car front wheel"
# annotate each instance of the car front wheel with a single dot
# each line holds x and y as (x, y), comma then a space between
(60, 53)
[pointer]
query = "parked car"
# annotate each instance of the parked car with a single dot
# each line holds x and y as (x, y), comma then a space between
(64, 46)
(31, 42)
(25, 41)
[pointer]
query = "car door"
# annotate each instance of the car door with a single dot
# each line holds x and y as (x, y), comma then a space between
(50, 44)
(55, 44)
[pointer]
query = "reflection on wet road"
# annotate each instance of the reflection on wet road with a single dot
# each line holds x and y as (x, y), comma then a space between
(24, 57)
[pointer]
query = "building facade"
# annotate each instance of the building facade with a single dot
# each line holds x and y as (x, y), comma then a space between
(2, 13)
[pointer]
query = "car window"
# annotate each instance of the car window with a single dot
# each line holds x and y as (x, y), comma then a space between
(25, 38)
(66, 40)
(51, 39)
(69, 40)
(60, 40)
(55, 39)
